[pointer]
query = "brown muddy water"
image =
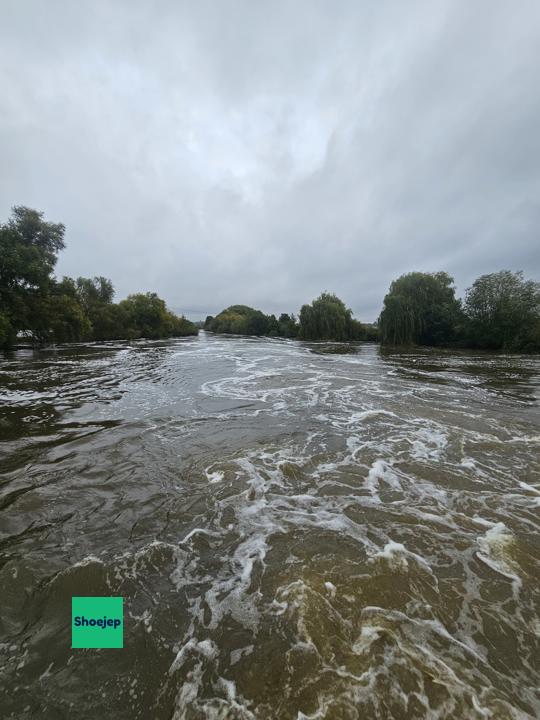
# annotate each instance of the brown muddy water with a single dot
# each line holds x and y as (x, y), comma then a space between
(296, 533)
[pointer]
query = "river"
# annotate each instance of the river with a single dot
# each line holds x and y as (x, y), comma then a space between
(297, 531)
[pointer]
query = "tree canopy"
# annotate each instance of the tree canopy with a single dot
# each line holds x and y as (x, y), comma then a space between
(240, 320)
(145, 315)
(34, 302)
(328, 318)
(28, 252)
(420, 309)
(503, 312)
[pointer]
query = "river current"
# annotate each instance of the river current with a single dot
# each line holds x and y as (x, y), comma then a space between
(299, 531)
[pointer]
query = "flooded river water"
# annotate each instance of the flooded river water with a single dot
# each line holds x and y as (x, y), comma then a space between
(296, 533)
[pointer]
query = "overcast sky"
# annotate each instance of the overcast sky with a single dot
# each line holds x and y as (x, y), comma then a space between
(262, 152)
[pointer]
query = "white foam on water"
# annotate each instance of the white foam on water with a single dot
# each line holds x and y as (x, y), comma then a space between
(470, 464)
(47, 673)
(214, 477)
(496, 549)
(368, 635)
(228, 703)
(207, 648)
(230, 688)
(330, 588)
(482, 521)
(239, 653)
(397, 558)
(381, 470)
(529, 488)
(418, 645)
(279, 519)
(429, 444)
(145, 619)
(535, 501)
(197, 531)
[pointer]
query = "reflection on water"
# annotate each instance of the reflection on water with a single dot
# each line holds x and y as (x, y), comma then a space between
(297, 532)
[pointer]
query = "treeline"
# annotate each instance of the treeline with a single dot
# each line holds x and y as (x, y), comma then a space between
(327, 318)
(500, 311)
(33, 302)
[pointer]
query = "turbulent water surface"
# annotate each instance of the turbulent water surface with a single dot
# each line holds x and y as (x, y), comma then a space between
(296, 533)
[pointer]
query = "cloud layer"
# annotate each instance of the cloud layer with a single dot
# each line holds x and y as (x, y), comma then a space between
(263, 152)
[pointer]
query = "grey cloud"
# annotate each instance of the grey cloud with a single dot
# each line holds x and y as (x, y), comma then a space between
(263, 152)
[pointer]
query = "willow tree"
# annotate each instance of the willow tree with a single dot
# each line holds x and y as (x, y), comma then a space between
(420, 309)
(327, 318)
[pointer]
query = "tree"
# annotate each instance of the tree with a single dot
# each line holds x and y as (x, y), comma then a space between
(371, 332)
(7, 332)
(240, 320)
(503, 312)
(96, 297)
(109, 322)
(66, 318)
(181, 327)
(326, 318)
(287, 326)
(146, 315)
(94, 291)
(245, 320)
(420, 309)
(28, 252)
(273, 326)
(33, 301)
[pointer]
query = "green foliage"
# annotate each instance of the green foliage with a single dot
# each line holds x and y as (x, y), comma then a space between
(372, 333)
(240, 320)
(420, 309)
(503, 312)
(33, 302)
(109, 322)
(327, 318)
(273, 326)
(67, 321)
(7, 333)
(287, 326)
(29, 248)
(146, 316)
(245, 320)
(95, 296)
(228, 321)
(28, 251)
(181, 326)
(93, 292)
(357, 331)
